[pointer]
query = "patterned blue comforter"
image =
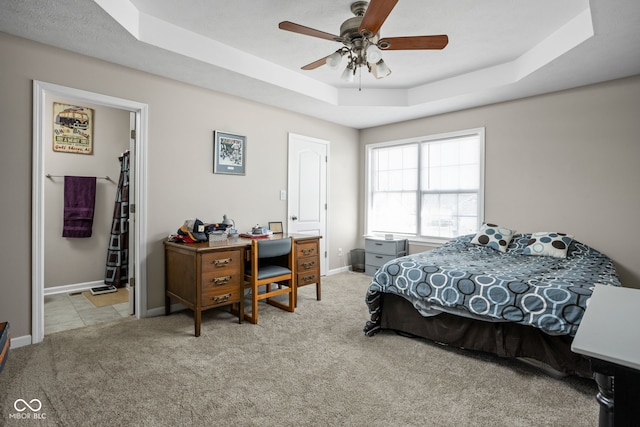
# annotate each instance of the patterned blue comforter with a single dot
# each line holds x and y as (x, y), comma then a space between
(480, 282)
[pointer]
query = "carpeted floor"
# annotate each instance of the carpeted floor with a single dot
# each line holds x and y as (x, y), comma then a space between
(313, 367)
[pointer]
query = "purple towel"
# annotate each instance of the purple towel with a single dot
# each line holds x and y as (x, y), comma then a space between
(79, 203)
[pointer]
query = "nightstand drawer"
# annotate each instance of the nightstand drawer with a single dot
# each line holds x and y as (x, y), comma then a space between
(376, 259)
(385, 247)
(370, 270)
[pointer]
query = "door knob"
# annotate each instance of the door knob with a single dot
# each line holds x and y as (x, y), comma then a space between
(294, 218)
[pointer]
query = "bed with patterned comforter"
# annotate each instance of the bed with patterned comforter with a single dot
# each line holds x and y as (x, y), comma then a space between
(479, 282)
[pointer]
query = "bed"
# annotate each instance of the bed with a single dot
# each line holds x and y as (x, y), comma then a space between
(499, 299)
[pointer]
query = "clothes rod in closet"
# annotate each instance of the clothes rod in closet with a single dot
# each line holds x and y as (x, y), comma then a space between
(62, 176)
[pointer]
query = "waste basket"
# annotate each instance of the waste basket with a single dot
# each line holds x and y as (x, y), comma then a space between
(357, 260)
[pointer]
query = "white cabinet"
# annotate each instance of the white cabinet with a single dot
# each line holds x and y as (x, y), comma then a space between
(379, 251)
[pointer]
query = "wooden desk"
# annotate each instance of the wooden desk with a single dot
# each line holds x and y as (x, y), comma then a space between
(608, 334)
(207, 275)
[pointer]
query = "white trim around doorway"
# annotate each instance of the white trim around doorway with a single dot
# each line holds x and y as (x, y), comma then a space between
(40, 134)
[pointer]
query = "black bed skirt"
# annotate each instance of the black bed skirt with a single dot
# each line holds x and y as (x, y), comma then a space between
(501, 338)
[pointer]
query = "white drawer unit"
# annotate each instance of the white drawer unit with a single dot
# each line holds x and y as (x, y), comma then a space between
(379, 251)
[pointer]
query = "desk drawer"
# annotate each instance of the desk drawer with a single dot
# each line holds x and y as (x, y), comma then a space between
(221, 295)
(307, 264)
(222, 263)
(307, 249)
(376, 259)
(215, 280)
(308, 277)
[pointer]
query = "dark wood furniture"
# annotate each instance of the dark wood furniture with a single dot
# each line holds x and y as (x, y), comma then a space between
(202, 276)
(307, 254)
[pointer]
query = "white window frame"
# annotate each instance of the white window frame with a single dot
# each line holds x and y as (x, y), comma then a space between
(479, 132)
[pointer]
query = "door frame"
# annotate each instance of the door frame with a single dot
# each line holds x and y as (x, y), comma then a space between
(40, 135)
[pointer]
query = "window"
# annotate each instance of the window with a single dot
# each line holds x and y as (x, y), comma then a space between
(429, 188)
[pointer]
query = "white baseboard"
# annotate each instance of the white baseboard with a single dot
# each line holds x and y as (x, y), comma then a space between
(76, 287)
(20, 341)
(338, 270)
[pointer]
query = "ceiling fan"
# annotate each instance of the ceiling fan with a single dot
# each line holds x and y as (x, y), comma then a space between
(362, 42)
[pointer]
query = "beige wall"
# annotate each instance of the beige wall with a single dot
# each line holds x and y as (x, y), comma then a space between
(181, 184)
(566, 162)
(71, 261)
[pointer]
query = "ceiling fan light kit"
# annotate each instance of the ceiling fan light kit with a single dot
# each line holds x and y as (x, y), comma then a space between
(361, 39)
(334, 60)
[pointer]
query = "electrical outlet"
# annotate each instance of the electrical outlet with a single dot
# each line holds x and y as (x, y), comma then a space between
(340, 252)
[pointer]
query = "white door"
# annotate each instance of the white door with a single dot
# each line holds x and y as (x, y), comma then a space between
(307, 187)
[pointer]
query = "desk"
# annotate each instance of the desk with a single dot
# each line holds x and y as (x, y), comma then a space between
(207, 275)
(609, 335)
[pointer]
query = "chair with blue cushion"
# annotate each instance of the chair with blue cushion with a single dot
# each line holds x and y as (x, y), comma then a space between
(272, 262)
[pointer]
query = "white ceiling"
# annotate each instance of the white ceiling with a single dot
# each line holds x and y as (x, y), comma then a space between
(498, 49)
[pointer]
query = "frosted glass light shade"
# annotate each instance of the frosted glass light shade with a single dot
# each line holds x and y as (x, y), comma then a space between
(348, 75)
(380, 70)
(334, 60)
(373, 54)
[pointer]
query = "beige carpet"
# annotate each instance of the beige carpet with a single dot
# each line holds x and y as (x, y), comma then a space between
(313, 367)
(103, 300)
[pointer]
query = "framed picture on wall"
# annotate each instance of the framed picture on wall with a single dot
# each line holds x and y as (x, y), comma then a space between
(72, 129)
(229, 153)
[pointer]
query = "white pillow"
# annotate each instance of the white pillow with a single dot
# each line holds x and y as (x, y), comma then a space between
(546, 243)
(494, 236)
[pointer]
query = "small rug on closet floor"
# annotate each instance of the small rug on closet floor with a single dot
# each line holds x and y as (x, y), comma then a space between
(102, 300)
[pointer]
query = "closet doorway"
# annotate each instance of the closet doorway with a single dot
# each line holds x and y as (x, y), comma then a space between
(44, 94)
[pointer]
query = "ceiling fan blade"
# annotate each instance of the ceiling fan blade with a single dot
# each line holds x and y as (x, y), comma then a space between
(415, 42)
(374, 17)
(301, 29)
(316, 64)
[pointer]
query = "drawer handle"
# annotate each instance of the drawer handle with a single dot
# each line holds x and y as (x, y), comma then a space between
(311, 277)
(307, 251)
(308, 264)
(221, 262)
(378, 244)
(220, 280)
(379, 257)
(221, 298)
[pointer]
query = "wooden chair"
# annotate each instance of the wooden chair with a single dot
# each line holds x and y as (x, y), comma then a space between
(272, 261)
